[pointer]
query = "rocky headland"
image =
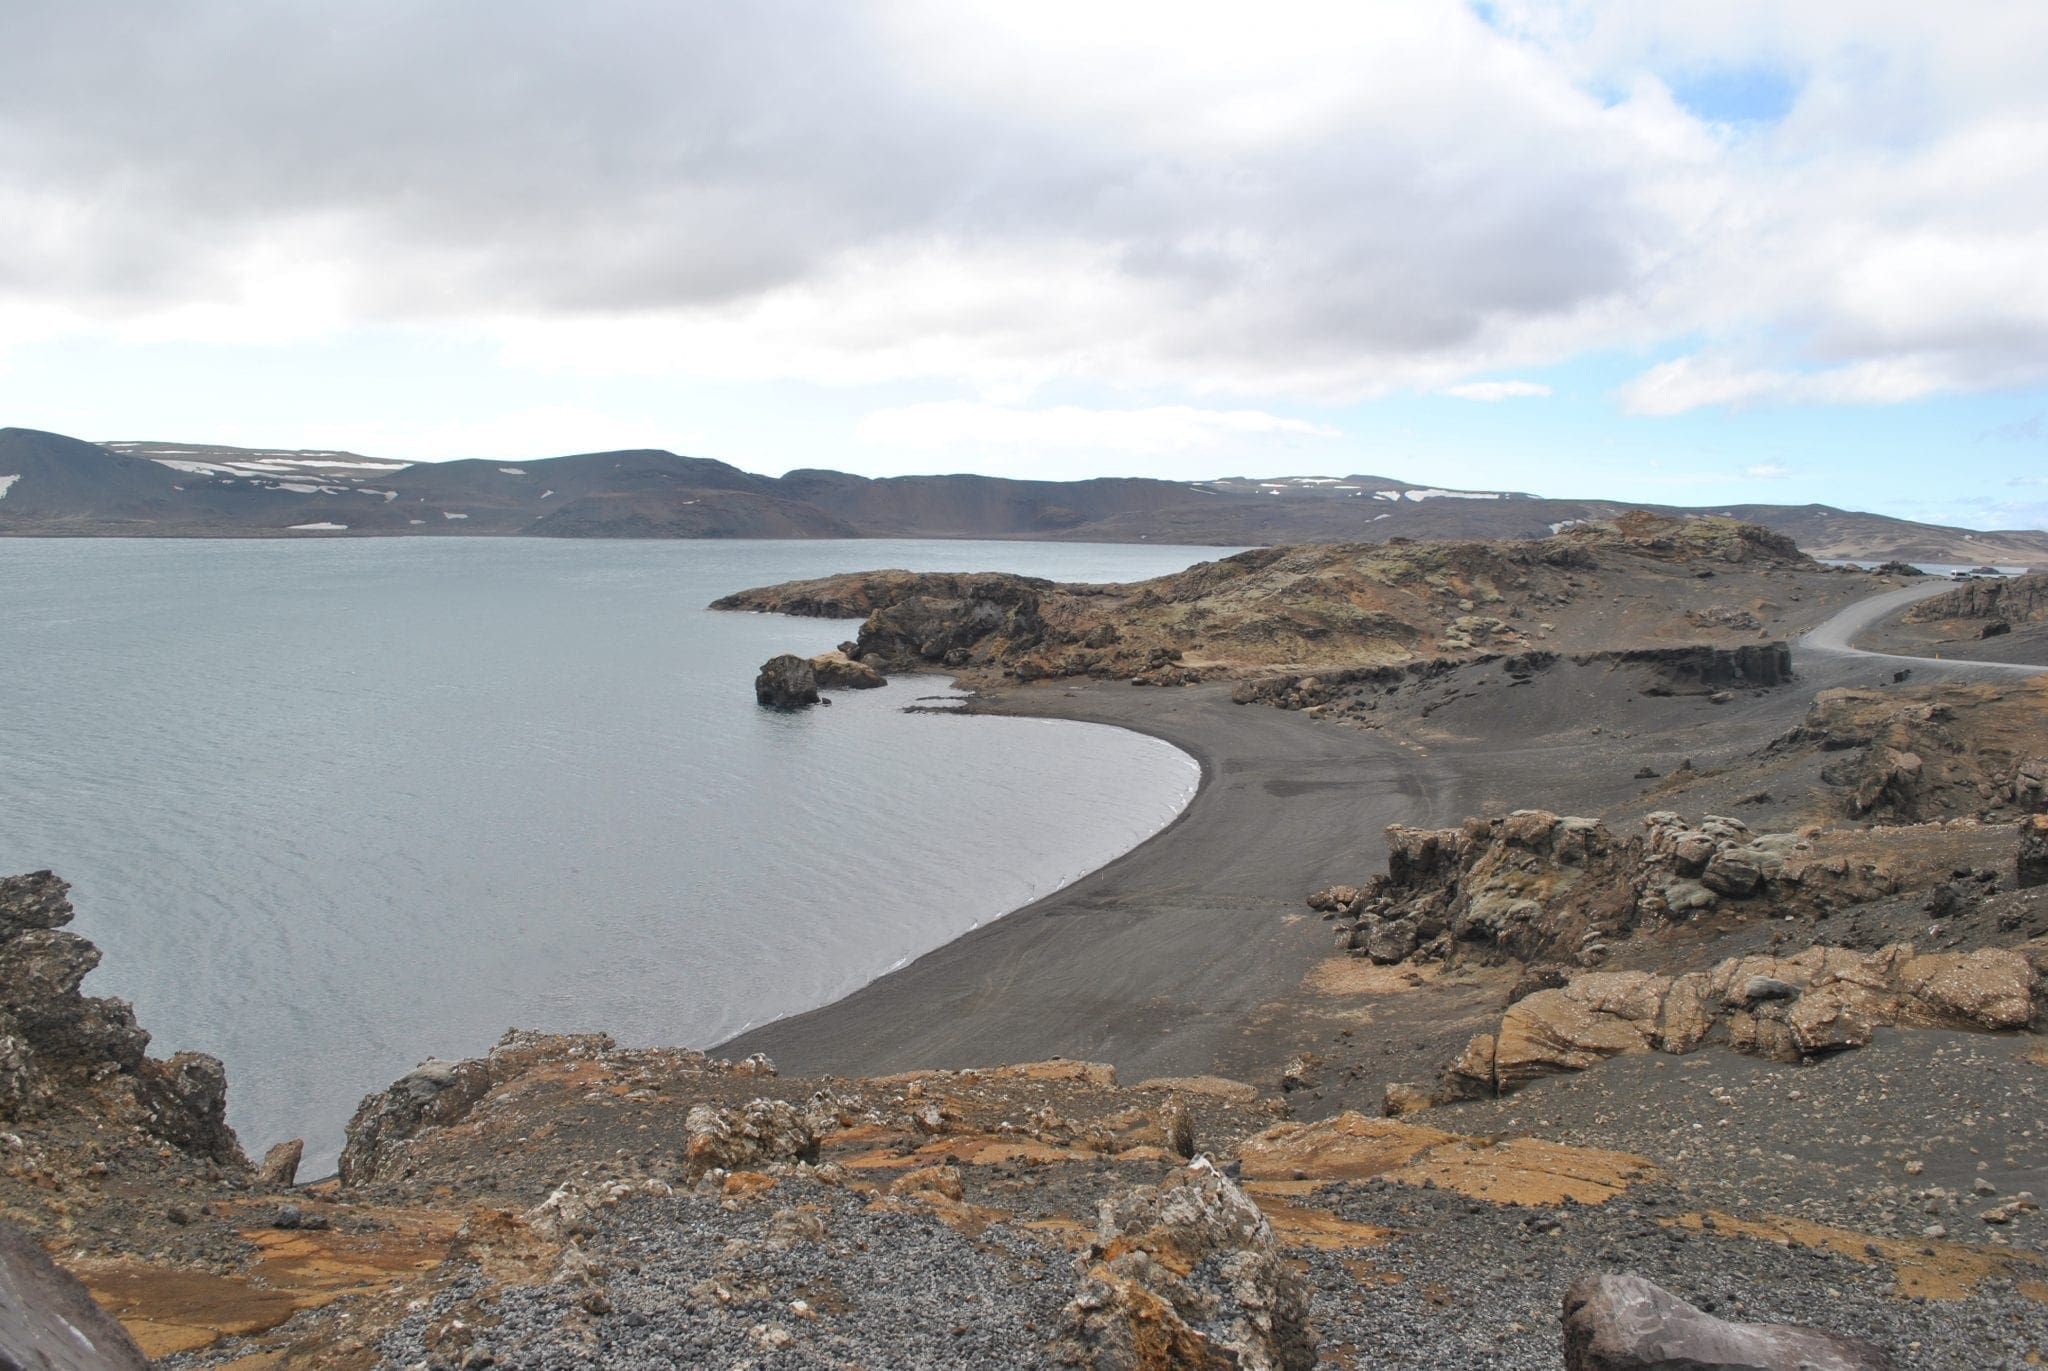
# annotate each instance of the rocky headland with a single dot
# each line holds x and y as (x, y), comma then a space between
(1700, 605)
(1562, 965)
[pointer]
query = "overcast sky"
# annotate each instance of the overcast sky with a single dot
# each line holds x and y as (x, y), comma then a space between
(1686, 253)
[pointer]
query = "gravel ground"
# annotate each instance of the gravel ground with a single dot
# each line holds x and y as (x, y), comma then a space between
(1830, 1141)
(690, 1282)
(700, 1282)
(1482, 1286)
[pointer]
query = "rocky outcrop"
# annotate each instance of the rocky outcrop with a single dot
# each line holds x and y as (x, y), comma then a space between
(438, 1093)
(60, 1049)
(1532, 885)
(2015, 600)
(960, 621)
(786, 682)
(1824, 1000)
(1626, 1323)
(1187, 1275)
(280, 1166)
(837, 671)
(2030, 863)
(49, 1321)
(1313, 623)
(1703, 670)
(760, 1133)
(1930, 752)
(1542, 888)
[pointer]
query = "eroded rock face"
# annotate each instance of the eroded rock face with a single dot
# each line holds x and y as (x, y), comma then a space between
(966, 618)
(760, 1133)
(438, 1093)
(2030, 863)
(1941, 751)
(281, 1164)
(837, 671)
(1824, 1000)
(786, 682)
(1187, 1275)
(59, 1048)
(1544, 888)
(1626, 1323)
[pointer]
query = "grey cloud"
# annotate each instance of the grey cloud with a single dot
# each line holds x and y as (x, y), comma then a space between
(644, 156)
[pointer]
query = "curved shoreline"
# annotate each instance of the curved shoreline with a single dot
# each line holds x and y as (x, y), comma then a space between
(1142, 962)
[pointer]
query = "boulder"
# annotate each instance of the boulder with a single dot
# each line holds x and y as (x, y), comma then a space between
(1626, 1323)
(49, 1320)
(1733, 872)
(1830, 1019)
(837, 671)
(1335, 899)
(759, 1133)
(1992, 988)
(1187, 1274)
(786, 682)
(432, 1095)
(2031, 862)
(1392, 941)
(2028, 788)
(1597, 1016)
(281, 1164)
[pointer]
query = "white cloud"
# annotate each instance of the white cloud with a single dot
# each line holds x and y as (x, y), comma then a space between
(1164, 429)
(1767, 471)
(1494, 391)
(1706, 379)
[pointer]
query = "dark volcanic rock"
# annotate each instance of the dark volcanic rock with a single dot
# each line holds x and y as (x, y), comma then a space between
(2020, 600)
(942, 629)
(786, 682)
(1626, 1323)
(48, 1320)
(2032, 860)
(1699, 670)
(59, 1048)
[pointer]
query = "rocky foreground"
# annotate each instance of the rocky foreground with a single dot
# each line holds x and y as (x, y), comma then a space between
(568, 1202)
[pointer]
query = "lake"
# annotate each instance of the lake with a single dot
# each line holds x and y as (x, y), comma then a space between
(333, 808)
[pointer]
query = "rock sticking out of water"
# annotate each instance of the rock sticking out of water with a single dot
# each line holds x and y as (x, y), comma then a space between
(786, 682)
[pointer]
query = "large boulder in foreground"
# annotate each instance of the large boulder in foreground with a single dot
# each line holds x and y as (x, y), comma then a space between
(1187, 1274)
(786, 682)
(1625, 1323)
(49, 1321)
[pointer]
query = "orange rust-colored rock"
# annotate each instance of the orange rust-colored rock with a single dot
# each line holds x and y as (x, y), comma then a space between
(1349, 1147)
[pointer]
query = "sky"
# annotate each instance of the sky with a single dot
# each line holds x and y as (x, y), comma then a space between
(1685, 254)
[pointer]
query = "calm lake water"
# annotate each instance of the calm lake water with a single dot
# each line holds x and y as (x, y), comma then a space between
(333, 808)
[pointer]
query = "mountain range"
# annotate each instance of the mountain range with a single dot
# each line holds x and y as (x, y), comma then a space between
(51, 485)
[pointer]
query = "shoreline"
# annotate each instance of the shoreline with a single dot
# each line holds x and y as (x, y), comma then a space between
(1077, 972)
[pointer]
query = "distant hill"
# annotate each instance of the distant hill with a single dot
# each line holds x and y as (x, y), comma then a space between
(51, 485)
